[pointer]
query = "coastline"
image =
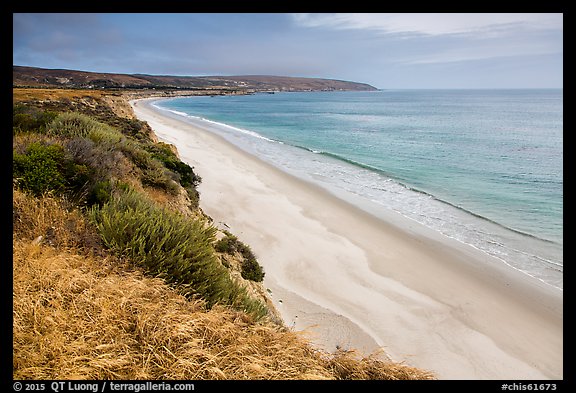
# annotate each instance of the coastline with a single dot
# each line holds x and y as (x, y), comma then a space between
(354, 281)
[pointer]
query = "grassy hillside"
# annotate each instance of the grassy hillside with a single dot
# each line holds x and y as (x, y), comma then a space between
(119, 275)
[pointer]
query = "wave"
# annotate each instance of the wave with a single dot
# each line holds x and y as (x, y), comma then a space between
(557, 266)
(242, 130)
(223, 125)
(410, 188)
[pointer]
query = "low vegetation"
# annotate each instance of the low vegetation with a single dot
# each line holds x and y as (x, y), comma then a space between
(250, 268)
(171, 246)
(110, 282)
(105, 171)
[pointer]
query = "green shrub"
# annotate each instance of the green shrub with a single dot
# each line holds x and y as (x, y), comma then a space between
(250, 268)
(102, 147)
(30, 119)
(185, 174)
(46, 167)
(109, 153)
(157, 176)
(78, 178)
(133, 127)
(72, 124)
(171, 246)
(153, 172)
(106, 135)
(227, 244)
(100, 193)
(40, 169)
(163, 153)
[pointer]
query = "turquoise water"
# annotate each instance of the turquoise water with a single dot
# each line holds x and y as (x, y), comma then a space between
(484, 167)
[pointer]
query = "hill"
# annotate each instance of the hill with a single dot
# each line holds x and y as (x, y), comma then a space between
(41, 77)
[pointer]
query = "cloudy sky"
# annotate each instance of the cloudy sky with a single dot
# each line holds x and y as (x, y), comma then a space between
(388, 51)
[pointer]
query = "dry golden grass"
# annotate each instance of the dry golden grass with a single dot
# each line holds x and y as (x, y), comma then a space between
(78, 315)
(52, 221)
(27, 94)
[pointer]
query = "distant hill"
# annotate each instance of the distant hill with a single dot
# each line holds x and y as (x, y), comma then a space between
(41, 77)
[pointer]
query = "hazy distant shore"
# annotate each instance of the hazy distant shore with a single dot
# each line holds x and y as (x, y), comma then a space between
(355, 281)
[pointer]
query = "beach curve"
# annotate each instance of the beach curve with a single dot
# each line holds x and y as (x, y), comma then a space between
(355, 281)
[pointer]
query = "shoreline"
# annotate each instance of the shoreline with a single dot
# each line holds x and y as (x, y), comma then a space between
(355, 281)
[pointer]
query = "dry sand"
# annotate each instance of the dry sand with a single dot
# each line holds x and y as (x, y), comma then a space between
(352, 280)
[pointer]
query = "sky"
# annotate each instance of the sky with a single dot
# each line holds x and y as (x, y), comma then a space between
(388, 51)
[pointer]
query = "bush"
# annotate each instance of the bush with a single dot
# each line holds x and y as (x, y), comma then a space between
(171, 246)
(250, 268)
(106, 160)
(163, 153)
(29, 119)
(153, 172)
(45, 167)
(100, 193)
(71, 124)
(227, 244)
(99, 148)
(133, 127)
(113, 155)
(40, 169)
(157, 176)
(185, 174)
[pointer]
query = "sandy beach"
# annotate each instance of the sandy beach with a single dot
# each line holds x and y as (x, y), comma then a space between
(351, 280)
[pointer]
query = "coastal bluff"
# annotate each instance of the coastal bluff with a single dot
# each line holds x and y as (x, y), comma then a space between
(244, 84)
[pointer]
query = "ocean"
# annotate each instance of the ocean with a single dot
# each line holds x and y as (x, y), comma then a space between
(484, 167)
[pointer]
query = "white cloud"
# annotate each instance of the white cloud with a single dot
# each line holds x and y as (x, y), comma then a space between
(486, 51)
(431, 24)
(420, 39)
